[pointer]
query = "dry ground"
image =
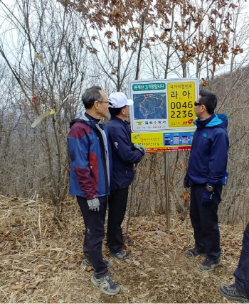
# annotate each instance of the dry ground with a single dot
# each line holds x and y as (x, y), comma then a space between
(40, 259)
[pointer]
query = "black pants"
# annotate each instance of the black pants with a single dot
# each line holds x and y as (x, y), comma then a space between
(242, 272)
(94, 234)
(204, 219)
(117, 202)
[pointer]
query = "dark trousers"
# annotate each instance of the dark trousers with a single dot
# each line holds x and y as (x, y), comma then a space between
(117, 202)
(204, 219)
(242, 272)
(94, 234)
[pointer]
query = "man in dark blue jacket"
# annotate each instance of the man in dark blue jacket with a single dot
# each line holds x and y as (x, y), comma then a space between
(205, 175)
(239, 291)
(124, 155)
(90, 181)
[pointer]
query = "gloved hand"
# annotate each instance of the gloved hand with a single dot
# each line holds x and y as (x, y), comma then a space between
(140, 149)
(93, 204)
(186, 183)
(207, 198)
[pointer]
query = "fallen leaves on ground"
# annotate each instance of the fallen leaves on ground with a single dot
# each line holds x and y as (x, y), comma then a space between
(40, 261)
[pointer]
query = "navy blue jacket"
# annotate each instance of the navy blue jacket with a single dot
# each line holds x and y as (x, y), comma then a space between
(209, 152)
(123, 153)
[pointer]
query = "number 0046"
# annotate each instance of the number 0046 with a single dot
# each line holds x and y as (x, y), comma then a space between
(181, 110)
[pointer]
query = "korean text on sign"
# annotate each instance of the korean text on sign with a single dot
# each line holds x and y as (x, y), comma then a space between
(181, 97)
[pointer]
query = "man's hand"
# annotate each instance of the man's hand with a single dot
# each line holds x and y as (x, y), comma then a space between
(93, 204)
(207, 198)
(140, 149)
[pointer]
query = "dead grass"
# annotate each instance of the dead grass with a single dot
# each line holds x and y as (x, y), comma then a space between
(40, 260)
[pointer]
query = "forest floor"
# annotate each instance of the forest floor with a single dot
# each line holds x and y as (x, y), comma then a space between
(40, 259)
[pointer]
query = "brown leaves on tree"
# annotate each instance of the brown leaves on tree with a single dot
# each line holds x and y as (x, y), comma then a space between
(195, 30)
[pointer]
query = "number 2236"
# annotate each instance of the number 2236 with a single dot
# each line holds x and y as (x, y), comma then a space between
(183, 113)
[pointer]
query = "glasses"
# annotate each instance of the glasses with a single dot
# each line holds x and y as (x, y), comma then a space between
(197, 103)
(103, 101)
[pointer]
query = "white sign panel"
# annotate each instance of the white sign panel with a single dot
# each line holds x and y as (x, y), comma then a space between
(163, 104)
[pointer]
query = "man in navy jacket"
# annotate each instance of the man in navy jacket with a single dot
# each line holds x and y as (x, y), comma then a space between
(239, 291)
(205, 176)
(90, 156)
(124, 155)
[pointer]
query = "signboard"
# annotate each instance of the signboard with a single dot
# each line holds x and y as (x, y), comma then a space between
(164, 141)
(163, 113)
(163, 104)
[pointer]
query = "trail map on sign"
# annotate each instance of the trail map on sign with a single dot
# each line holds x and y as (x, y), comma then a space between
(150, 106)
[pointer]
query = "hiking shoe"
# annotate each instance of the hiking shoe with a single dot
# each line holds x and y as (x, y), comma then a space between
(86, 262)
(232, 293)
(194, 252)
(106, 285)
(209, 265)
(120, 255)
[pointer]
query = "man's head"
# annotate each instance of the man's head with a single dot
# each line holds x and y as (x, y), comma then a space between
(205, 105)
(119, 105)
(95, 102)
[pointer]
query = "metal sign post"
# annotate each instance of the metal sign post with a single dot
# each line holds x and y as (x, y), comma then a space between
(166, 169)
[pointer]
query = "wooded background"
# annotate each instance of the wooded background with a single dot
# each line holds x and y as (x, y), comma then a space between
(50, 51)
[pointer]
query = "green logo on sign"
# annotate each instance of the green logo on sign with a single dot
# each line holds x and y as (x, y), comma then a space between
(148, 87)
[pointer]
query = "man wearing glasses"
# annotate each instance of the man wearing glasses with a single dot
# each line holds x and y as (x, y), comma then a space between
(206, 176)
(90, 181)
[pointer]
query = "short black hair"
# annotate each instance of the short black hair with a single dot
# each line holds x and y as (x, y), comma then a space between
(90, 95)
(115, 111)
(209, 100)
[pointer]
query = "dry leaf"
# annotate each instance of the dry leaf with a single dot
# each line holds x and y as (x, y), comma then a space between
(68, 299)
(35, 271)
(136, 263)
(4, 230)
(30, 291)
(89, 268)
(16, 287)
(165, 249)
(149, 269)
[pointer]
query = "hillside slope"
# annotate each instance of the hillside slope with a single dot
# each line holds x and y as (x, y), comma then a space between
(40, 259)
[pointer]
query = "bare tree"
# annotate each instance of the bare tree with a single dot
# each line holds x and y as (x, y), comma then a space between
(50, 51)
(48, 64)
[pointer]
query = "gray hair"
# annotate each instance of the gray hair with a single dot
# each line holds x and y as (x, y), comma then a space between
(90, 95)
